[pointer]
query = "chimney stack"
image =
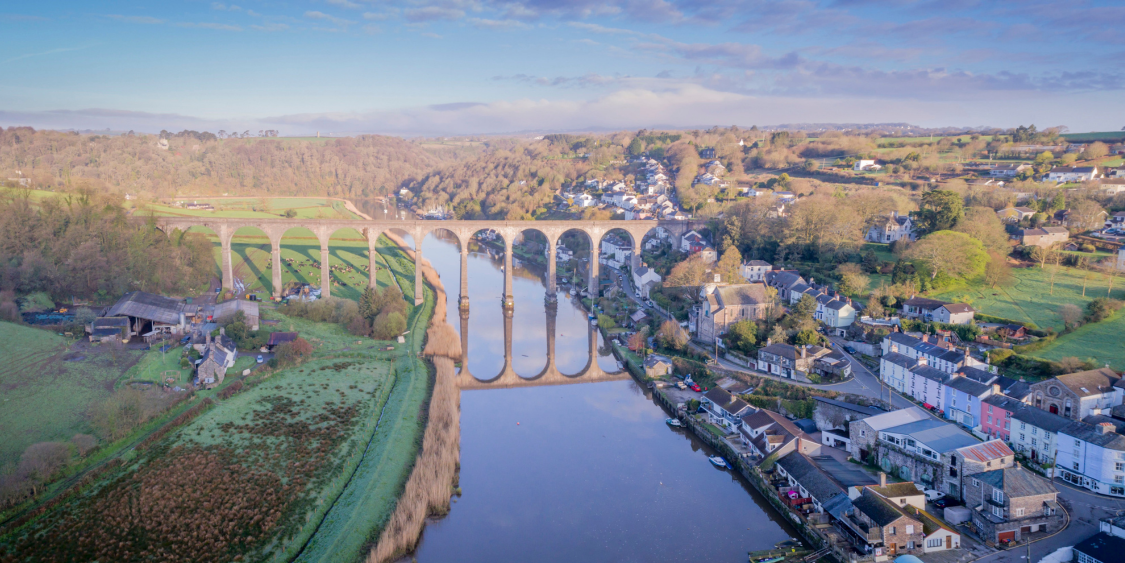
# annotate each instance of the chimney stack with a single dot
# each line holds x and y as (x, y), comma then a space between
(882, 479)
(804, 351)
(1105, 428)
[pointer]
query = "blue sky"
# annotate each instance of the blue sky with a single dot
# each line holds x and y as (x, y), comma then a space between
(443, 67)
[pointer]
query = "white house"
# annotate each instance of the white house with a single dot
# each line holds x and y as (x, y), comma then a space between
(724, 409)
(1072, 173)
(949, 360)
(585, 200)
(617, 250)
(896, 227)
(914, 377)
(1093, 457)
(755, 270)
(954, 313)
(1035, 433)
(861, 165)
(838, 313)
(1008, 170)
(644, 279)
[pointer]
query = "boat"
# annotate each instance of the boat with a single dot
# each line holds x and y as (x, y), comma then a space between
(674, 422)
(768, 560)
(572, 291)
(718, 461)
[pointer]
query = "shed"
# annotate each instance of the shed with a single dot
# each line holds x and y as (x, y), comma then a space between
(279, 338)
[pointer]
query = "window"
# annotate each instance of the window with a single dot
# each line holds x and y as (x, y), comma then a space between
(1119, 466)
(892, 530)
(990, 410)
(910, 528)
(1077, 443)
(1022, 437)
(934, 542)
(1023, 426)
(1019, 512)
(976, 483)
(998, 511)
(988, 418)
(1076, 466)
(997, 495)
(1007, 425)
(1118, 479)
(1034, 431)
(863, 433)
(1033, 442)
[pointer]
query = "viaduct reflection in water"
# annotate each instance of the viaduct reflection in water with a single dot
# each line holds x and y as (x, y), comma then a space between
(550, 375)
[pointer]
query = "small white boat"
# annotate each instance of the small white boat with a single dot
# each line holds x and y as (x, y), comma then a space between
(572, 291)
(718, 461)
(674, 422)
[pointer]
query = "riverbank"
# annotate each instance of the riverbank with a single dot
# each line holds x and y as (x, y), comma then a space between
(431, 482)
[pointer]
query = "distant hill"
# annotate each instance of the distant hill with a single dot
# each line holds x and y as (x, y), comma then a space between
(1104, 136)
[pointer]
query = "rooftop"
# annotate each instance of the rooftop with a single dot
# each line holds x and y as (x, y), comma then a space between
(896, 418)
(805, 471)
(148, 306)
(939, 436)
(1017, 482)
(988, 451)
(1102, 547)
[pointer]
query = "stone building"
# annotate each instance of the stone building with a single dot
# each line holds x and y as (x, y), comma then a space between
(725, 305)
(1078, 395)
(966, 462)
(863, 434)
(789, 361)
(1008, 504)
(831, 414)
(920, 451)
(881, 523)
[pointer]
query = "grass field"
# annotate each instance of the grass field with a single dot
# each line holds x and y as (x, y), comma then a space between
(256, 207)
(1101, 342)
(1104, 136)
(46, 392)
(1029, 299)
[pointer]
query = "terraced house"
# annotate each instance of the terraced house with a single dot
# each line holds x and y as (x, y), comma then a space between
(724, 409)
(1092, 456)
(1035, 433)
(1010, 504)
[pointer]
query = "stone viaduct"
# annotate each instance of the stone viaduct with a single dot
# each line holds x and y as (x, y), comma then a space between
(275, 229)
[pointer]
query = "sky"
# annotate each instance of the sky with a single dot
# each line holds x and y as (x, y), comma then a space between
(457, 67)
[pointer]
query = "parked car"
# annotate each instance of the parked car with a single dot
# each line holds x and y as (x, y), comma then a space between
(260, 359)
(944, 502)
(849, 349)
(695, 387)
(931, 494)
(680, 385)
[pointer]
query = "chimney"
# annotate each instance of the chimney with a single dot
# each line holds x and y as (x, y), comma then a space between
(208, 338)
(894, 348)
(769, 342)
(922, 361)
(804, 351)
(882, 479)
(1105, 428)
(995, 388)
(222, 331)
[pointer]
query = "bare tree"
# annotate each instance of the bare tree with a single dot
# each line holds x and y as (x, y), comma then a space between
(1071, 314)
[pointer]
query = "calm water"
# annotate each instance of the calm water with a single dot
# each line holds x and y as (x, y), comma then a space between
(591, 472)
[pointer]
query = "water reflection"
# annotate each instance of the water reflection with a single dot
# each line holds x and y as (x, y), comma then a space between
(590, 472)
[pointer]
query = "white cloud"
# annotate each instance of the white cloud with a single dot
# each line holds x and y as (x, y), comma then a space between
(270, 27)
(433, 13)
(136, 19)
(343, 4)
(315, 15)
(209, 25)
(482, 23)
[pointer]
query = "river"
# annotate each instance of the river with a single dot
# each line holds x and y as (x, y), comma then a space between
(578, 472)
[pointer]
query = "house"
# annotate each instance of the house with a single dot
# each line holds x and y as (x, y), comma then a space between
(724, 305)
(150, 314)
(966, 461)
(809, 480)
(921, 308)
(876, 525)
(1093, 457)
(724, 409)
(616, 250)
(786, 197)
(1013, 331)
(861, 165)
(900, 494)
(219, 355)
(838, 313)
(938, 353)
(1078, 395)
(644, 279)
(228, 309)
(707, 153)
(755, 270)
(1035, 433)
(692, 242)
(788, 361)
(1099, 548)
(997, 411)
(785, 282)
(1015, 214)
(767, 433)
(864, 433)
(1008, 170)
(1044, 236)
(833, 364)
(922, 451)
(962, 400)
(279, 338)
(1072, 174)
(895, 227)
(1011, 503)
(914, 377)
(585, 200)
(954, 314)
(657, 366)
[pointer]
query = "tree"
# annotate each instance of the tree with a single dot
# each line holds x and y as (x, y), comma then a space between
(982, 224)
(1101, 308)
(997, 272)
(953, 254)
(875, 308)
(742, 336)
(1096, 149)
(940, 211)
(852, 279)
(637, 342)
(388, 325)
(804, 307)
(687, 273)
(1071, 315)
(606, 322)
(636, 147)
(293, 352)
(672, 336)
(1085, 215)
(729, 265)
(806, 337)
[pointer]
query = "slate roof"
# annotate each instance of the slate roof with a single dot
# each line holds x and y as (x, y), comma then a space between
(1093, 435)
(979, 375)
(1017, 482)
(890, 490)
(1040, 418)
(988, 451)
(148, 306)
(1118, 425)
(728, 402)
(1004, 402)
(939, 436)
(110, 322)
(810, 476)
(654, 359)
(836, 304)
(1102, 547)
(793, 352)
(1092, 382)
(281, 338)
(924, 303)
(904, 339)
(742, 294)
(866, 411)
(958, 308)
(878, 509)
(899, 360)
(933, 374)
(759, 264)
(968, 386)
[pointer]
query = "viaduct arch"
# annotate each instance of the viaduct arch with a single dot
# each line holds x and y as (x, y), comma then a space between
(323, 229)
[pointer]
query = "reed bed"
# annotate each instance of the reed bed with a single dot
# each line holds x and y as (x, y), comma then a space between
(431, 482)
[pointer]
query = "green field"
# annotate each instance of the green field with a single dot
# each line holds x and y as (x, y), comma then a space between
(1101, 342)
(1104, 136)
(255, 207)
(1029, 299)
(47, 391)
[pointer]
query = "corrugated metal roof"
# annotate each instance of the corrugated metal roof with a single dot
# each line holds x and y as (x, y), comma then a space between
(148, 306)
(988, 451)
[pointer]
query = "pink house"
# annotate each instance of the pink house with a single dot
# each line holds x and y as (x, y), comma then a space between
(996, 415)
